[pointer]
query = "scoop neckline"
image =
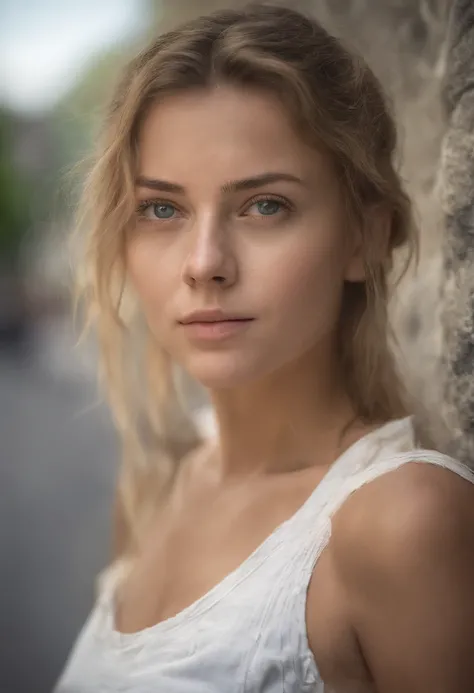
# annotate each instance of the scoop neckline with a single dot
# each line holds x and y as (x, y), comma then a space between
(229, 582)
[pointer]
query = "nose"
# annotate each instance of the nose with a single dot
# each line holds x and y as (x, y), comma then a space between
(211, 260)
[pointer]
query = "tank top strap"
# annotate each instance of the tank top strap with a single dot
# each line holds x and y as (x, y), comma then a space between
(363, 476)
(390, 439)
(315, 531)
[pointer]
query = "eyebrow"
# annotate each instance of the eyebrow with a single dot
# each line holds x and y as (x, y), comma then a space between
(230, 187)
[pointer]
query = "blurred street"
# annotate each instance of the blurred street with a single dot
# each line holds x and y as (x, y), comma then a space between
(56, 475)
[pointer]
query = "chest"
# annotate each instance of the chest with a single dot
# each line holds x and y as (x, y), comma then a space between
(198, 545)
(199, 540)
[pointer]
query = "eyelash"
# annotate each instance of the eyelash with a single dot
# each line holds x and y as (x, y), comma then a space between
(286, 204)
(148, 203)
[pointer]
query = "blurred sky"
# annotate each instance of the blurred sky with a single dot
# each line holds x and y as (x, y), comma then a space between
(45, 44)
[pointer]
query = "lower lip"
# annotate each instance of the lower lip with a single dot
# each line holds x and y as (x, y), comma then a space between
(214, 331)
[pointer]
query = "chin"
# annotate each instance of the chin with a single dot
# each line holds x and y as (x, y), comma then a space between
(222, 371)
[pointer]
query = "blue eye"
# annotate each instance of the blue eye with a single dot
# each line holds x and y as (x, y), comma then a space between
(268, 208)
(163, 210)
(156, 210)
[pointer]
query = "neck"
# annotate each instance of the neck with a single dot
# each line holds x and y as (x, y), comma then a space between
(292, 420)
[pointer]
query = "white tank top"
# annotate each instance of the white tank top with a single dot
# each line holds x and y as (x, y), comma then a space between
(248, 633)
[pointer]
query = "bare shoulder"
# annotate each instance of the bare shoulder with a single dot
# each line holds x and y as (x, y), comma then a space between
(418, 505)
(403, 550)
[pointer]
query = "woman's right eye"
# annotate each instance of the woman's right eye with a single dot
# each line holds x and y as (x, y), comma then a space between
(157, 210)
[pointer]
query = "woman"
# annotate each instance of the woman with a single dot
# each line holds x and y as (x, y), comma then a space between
(244, 211)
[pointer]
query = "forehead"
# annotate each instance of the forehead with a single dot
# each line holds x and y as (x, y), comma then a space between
(224, 130)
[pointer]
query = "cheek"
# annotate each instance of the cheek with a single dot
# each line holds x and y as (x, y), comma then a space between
(148, 276)
(307, 286)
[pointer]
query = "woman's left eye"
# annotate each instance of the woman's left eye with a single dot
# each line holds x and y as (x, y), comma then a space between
(269, 207)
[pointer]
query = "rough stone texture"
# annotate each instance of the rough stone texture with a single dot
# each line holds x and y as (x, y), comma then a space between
(456, 186)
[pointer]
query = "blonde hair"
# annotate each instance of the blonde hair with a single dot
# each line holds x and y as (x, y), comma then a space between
(333, 98)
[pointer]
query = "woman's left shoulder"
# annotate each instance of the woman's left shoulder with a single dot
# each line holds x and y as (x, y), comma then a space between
(418, 513)
(402, 549)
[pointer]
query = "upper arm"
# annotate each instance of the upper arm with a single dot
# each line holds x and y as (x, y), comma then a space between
(408, 573)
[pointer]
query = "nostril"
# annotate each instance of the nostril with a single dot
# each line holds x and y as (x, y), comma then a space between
(218, 279)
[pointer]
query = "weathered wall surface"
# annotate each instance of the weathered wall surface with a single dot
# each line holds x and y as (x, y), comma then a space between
(456, 191)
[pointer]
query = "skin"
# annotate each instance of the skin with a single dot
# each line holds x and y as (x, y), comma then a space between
(382, 588)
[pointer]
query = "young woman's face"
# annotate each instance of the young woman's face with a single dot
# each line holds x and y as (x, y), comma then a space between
(240, 248)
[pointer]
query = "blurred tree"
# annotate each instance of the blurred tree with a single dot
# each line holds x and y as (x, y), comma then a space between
(14, 215)
(15, 192)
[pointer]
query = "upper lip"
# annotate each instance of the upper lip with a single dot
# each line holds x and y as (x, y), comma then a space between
(211, 316)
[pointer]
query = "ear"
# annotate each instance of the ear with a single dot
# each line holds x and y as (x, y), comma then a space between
(371, 243)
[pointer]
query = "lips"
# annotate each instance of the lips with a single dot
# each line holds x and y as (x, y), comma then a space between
(214, 328)
(212, 316)
(213, 322)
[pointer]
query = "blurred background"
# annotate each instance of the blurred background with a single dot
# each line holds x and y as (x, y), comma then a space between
(58, 61)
